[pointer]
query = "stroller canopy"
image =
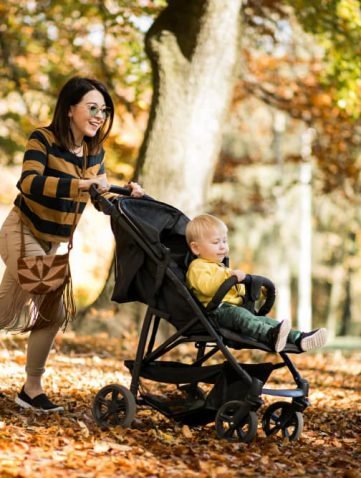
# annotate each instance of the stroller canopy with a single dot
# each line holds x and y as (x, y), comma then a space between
(150, 241)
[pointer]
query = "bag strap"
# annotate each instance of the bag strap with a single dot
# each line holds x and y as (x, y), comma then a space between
(22, 244)
(70, 243)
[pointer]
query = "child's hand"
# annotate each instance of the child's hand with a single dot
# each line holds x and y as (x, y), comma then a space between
(239, 274)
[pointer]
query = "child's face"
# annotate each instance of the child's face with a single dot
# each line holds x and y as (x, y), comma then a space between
(212, 246)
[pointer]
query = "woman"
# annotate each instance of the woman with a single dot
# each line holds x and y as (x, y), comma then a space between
(60, 163)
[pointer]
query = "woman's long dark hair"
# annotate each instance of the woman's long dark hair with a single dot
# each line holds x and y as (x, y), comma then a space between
(70, 95)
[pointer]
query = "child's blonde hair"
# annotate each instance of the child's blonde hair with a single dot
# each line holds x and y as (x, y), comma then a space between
(200, 225)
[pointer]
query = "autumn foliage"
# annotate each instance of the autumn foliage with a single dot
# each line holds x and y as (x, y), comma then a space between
(71, 445)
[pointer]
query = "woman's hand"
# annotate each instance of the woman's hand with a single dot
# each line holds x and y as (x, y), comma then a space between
(136, 189)
(100, 182)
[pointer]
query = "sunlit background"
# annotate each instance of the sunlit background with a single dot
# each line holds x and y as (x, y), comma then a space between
(287, 179)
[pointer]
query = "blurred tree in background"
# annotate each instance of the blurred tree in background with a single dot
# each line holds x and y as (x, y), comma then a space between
(43, 43)
(298, 58)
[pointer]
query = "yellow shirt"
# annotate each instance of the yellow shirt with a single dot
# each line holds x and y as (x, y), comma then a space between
(205, 277)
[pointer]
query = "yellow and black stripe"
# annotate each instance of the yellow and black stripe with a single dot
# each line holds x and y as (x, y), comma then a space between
(49, 186)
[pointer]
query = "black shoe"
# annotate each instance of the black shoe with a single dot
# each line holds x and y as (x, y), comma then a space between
(40, 402)
(312, 340)
(279, 335)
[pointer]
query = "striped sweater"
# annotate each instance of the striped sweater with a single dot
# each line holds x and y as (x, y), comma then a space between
(49, 186)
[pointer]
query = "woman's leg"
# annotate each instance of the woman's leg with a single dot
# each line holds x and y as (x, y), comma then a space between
(13, 299)
(40, 343)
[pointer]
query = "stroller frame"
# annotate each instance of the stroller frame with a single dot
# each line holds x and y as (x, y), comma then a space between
(235, 417)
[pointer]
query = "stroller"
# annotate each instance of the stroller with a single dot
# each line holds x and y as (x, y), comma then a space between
(151, 262)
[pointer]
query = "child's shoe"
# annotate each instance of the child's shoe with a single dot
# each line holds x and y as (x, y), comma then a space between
(280, 335)
(312, 340)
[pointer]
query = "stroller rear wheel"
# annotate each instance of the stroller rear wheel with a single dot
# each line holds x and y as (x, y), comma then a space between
(232, 426)
(280, 416)
(114, 405)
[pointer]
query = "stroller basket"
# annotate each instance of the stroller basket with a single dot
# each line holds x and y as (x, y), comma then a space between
(177, 373)
(198, 408)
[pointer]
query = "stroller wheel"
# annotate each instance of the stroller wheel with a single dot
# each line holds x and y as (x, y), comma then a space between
(281, 416)
(114, 405)
(232, 426)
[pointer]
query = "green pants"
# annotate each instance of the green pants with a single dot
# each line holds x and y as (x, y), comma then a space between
(239, 319)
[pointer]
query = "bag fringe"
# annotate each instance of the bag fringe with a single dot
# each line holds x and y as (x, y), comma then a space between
(41, 310)
(17, 318)
(49, 309)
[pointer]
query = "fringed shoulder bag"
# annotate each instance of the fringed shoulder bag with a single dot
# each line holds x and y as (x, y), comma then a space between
(48, 276)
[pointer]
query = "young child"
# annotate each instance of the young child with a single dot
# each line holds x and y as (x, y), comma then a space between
(207, 238)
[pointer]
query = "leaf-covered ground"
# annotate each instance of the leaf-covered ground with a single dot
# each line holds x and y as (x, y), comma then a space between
(70, 444)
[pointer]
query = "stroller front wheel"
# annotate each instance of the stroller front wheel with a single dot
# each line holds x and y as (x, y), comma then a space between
(280, 416)
(232, 426)
(114, 405)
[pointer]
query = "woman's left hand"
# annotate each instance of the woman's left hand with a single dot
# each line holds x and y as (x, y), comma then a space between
(137, 190)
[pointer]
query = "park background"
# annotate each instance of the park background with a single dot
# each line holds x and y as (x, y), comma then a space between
(249, 110)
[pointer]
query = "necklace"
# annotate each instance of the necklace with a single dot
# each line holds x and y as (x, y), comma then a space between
(78, 145)
(77, 150)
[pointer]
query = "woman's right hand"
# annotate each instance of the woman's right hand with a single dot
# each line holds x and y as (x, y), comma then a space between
(100, 182)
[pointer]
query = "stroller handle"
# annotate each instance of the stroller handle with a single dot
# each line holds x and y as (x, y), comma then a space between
(123, 191)
(103, 204)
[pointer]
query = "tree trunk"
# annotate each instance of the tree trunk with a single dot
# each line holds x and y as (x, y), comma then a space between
(336, 298)
(304, 309)
(102, 301)
(347, 306)
(283, 305)
(192, 46)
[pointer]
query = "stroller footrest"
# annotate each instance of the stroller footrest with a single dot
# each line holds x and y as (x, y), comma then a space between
(289, 393)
